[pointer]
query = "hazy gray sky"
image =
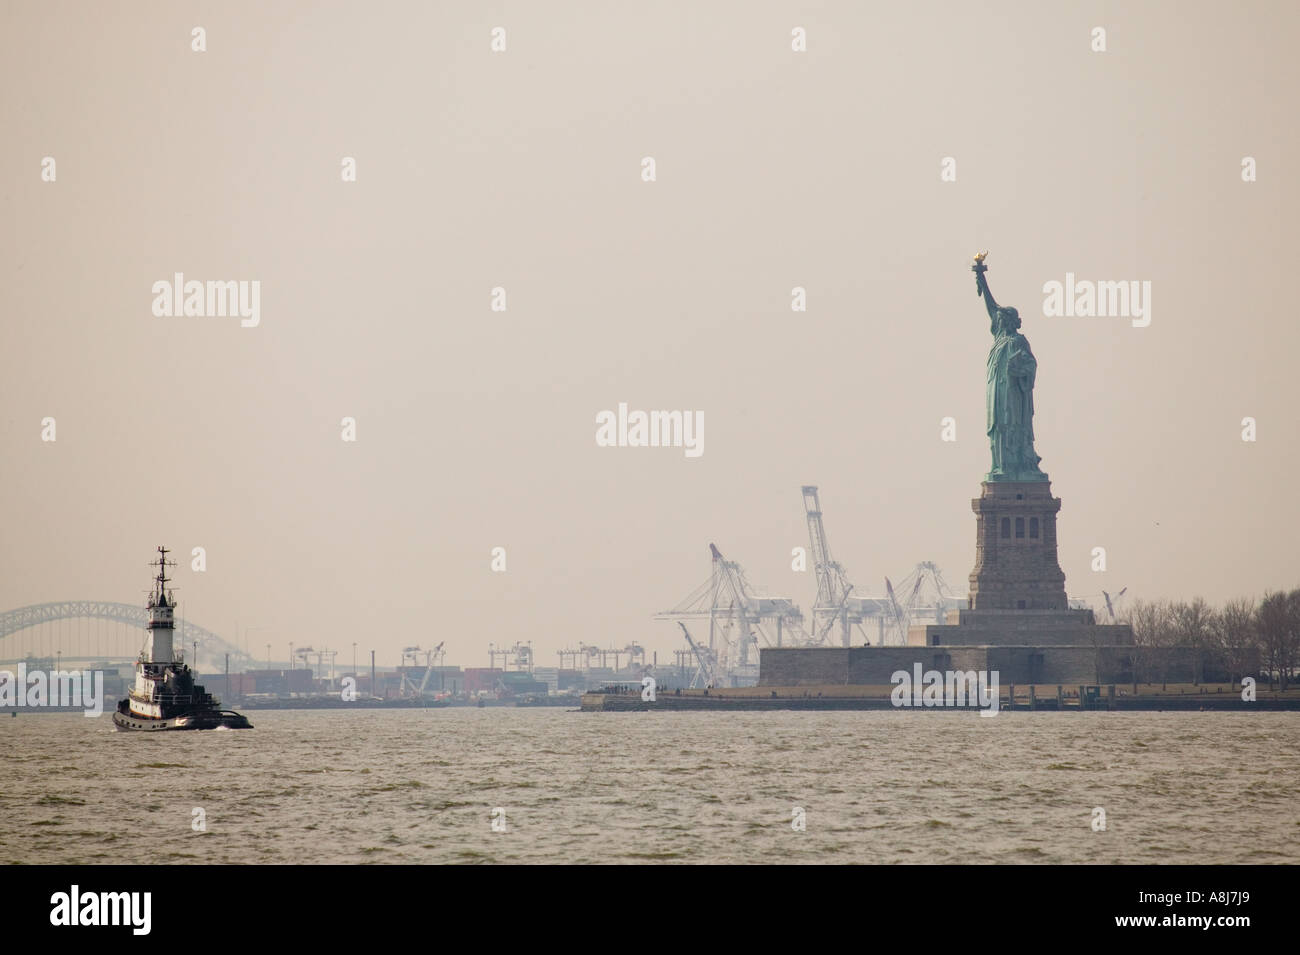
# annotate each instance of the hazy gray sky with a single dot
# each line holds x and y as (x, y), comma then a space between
(522, 169)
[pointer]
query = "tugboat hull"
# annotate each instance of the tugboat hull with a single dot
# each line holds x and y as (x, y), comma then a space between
(212, 720)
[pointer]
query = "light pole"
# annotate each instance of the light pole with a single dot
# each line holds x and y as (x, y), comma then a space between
(354, 659)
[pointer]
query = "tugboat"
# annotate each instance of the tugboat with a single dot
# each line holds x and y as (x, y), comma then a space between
(165, 696)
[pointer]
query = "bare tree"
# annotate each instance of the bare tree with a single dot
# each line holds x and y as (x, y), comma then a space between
(1236, 636)
(1291, 644)
(1242, 636)
(1192, 623)
(1150, 623)
(1276, 623)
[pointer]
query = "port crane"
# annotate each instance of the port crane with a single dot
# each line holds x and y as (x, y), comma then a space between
(408, 685)
(1112, 603)
(593, 652)
(430, 656)
(306, 654)
(520, 653)
(897, 614)
(705, 668)
(832, 605)
(632, 651)
(573, 656)
(740, 620)
(924, 579)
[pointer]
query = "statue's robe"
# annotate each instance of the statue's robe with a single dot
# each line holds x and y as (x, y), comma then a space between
(1010, 401)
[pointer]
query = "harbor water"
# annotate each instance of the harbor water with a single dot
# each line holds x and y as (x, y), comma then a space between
(500, 785)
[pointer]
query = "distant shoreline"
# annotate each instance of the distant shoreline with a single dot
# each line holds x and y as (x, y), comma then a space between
(1218, 698)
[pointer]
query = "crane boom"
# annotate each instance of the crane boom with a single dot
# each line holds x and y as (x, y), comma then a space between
(833, 586)
(428, 667)
(900, 617)
(821, 552)
(705, 668)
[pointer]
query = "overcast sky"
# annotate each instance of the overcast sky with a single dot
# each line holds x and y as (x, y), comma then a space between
(522, 169)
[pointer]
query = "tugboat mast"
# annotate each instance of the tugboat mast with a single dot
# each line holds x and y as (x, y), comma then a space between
(162, 563)
(162, 620)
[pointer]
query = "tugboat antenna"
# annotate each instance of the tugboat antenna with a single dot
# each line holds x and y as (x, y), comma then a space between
(162, 563)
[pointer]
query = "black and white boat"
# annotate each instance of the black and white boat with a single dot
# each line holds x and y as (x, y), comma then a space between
(165, 696)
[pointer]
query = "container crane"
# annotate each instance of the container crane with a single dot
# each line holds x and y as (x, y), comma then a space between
(430, 656)
(1111, 604)
(408, 685)
(739, 619)
(925, 579)
(705, 669)
(833, 587)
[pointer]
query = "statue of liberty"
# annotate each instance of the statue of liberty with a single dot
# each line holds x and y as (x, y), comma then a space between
(1010, 391)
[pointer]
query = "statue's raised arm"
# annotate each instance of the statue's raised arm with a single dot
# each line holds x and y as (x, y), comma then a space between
(982, 285)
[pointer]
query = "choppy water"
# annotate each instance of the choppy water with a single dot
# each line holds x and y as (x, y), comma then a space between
(420, 786)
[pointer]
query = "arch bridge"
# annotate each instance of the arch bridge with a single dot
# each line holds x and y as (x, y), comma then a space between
(103, 630)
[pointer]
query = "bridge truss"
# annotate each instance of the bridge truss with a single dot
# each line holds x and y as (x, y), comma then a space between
(212, 647)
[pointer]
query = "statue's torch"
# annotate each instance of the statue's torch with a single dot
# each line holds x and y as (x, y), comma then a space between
(979, 268)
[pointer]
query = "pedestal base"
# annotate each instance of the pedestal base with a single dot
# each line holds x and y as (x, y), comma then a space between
(1016, 566)
(1020, 628)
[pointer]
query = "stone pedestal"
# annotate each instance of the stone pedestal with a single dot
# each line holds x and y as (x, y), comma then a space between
(1038, 628)
(1016, 567)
